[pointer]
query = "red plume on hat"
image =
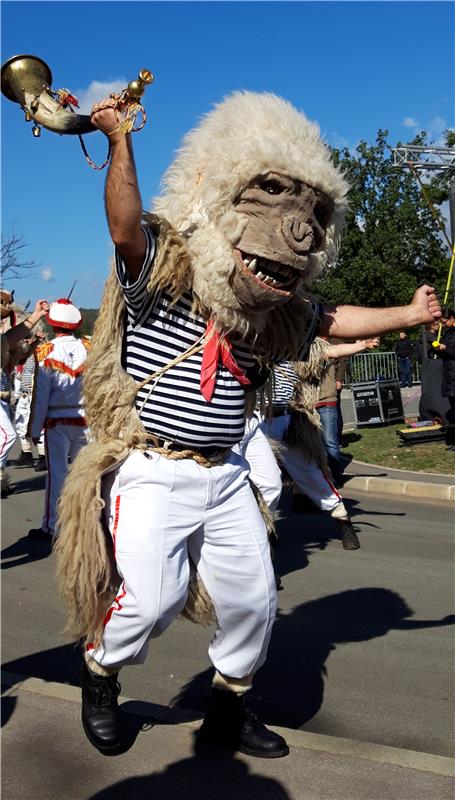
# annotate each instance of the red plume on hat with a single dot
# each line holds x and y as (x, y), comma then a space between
(64, 314)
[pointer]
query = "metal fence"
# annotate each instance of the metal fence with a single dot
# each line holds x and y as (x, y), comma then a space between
(371, 366)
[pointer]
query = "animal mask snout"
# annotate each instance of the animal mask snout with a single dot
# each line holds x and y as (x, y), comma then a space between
(297, 234)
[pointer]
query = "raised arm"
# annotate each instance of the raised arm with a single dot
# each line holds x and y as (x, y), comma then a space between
(349, 322)
(22, 331)
(122, 196)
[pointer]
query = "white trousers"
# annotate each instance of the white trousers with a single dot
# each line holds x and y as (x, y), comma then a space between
(7, 432)
(159, 511)
(21, 420)
(62, 443)
(264, 470)
(305, 473)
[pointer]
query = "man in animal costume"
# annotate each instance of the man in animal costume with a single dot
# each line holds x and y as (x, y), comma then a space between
(252, 205)
(57, 405)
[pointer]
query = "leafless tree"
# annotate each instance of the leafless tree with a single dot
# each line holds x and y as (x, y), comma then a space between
(13, 266)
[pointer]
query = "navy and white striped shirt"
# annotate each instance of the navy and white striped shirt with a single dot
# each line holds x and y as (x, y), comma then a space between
(285, 379)
(156, 333)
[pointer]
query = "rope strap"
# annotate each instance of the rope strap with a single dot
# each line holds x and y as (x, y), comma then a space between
(130, 109)
(177, 455)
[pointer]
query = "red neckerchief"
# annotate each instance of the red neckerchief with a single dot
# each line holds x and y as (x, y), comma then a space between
(217, 348)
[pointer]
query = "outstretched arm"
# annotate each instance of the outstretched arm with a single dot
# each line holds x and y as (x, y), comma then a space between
(122, 196)
(351, 348)
(348, 322)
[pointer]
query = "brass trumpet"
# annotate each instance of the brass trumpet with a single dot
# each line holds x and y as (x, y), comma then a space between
(27, 80)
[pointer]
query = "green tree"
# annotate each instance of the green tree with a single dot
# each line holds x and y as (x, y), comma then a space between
(89, 316)
(391, 244)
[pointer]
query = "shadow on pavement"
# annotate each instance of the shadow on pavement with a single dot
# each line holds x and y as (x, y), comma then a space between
(32, 484)
(289, 689)
(60, 664)
(209, 774)
(8, 706)
(24, 551)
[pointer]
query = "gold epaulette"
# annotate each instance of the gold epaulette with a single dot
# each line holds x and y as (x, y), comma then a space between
(87, 342)
(43, 350)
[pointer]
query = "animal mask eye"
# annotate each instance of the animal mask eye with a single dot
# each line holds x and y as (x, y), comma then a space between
(271, 186)
(322, 213)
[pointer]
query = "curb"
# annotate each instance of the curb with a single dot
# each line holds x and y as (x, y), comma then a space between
(407, 471)
(384, 754)
(398, 487)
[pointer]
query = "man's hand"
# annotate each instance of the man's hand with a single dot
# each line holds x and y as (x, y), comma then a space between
(426, 305)
(105, 117)
(368, 344)
(41, 309)
(372, 343)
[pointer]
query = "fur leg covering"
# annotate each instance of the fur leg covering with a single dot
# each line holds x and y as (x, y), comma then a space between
(227, 684)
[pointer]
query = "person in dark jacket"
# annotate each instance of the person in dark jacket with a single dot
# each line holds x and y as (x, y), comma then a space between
(432, 405)
(404, 351)
(446, 351)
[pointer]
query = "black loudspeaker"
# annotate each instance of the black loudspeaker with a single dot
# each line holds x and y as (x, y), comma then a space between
(377, 402)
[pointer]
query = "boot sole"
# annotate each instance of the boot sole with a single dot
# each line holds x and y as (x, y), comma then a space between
(235, 748)
(277, 754)
(106, 750)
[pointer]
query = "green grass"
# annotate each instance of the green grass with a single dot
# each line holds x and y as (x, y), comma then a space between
(381, 445)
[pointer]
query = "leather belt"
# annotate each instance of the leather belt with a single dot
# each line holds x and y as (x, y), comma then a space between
(52, 422)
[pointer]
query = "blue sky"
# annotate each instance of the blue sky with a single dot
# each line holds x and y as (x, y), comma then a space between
(354, 67)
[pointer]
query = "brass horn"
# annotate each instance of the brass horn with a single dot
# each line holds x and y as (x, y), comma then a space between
(27, 80)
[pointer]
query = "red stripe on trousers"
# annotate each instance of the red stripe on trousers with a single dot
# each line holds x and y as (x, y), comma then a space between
(332, 487)
(116, 605)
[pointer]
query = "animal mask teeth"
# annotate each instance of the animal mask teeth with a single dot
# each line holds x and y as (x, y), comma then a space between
(285, 273)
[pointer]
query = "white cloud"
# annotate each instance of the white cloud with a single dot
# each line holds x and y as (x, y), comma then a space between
(338, 141)
(97, 91)
(410, 122)
(436, 128)
(47, 274)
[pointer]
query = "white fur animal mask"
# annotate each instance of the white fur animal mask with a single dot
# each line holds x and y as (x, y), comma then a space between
(254, 191)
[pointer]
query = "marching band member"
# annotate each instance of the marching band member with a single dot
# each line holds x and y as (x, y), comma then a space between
(57, 405)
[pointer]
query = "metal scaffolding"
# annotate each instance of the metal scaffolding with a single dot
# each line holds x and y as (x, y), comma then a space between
(418, 159)
(434, 158)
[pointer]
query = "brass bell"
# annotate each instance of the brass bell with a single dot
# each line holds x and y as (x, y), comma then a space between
(136, 88)
(36, 130)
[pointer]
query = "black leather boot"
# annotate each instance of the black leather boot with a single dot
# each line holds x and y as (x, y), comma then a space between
(24, 460)
(100, 711)
(349, 538)
(230, 724)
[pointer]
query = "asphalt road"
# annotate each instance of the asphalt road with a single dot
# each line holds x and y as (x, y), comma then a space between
(363, 647)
